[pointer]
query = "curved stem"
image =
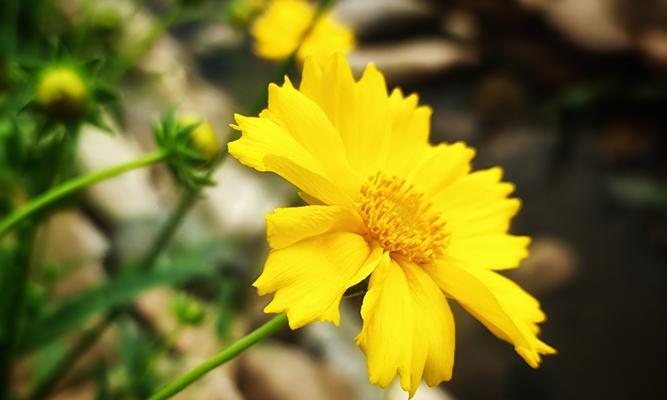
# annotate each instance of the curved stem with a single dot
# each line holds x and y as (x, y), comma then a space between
(73, 185)
(187, 200)
(227, 354)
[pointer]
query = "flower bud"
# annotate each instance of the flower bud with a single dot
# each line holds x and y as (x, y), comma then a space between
(202, 137)
(187, 310)
(62, 93)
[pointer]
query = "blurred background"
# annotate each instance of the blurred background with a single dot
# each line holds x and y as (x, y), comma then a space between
(568, 96)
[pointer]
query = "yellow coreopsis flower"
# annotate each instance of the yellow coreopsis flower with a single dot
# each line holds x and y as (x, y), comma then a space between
(385, 204)
(279, 30)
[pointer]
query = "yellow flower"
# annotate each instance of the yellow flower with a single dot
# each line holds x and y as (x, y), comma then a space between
(279, 30)
(385, 203)
(62, 93)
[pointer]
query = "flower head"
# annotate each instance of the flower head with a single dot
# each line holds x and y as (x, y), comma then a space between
(385, 204)
(62, 93)
(280, 30)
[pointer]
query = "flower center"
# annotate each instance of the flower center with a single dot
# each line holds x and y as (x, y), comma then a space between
(400, 220)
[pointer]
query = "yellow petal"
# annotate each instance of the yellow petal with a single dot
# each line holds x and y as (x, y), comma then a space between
(305, 121)
(328, 81)
(261, 137)
(315, 185)
(372, 122)
(267, 146)
(359, 110)
(477, 204)
(286, 226)
(440, 166)
(502, 306)
(310, 277)
(495, 251)
(408, 137)
(408, 327)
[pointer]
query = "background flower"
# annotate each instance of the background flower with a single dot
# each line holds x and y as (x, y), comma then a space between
(279, 31)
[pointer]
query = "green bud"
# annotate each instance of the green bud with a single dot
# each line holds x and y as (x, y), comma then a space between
(202, 137)
(187, 310)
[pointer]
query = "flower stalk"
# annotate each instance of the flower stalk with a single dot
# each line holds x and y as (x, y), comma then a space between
(227, 354)
(74, 185)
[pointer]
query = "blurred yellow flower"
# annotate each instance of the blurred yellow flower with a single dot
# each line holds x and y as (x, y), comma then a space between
(385, 203)
(279, 30)
(62, 93)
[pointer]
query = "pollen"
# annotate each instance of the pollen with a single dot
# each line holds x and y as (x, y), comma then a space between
(400, 220)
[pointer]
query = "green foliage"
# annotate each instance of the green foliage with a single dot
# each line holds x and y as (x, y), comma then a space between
(117, 292)
(136, 354)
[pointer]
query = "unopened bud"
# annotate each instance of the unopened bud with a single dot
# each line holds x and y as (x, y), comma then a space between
(203, 137)
(62, 93)
(188, 310)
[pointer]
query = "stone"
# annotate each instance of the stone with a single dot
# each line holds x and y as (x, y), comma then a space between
(413, 60)
(282, 373)
(591, 24)
(68, 237)
(130, 195)
(240, 200)
(368, 16)
(551, 265)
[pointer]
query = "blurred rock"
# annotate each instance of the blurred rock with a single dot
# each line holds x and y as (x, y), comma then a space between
(127, 196)
(499, 98)
(626, 138)
(412, 61)
(217, 384)
(369, 16)
(423, 393)
(654, 45)
(69, 238)
(240, 200)
(460, 24)
(214, 38)
(79, 392)
(534, 4)
(458, 123)
(592, 24)
(281, 373)
(76, 247)
(551, 265)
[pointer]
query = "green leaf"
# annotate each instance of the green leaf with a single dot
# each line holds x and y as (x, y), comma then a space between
(114, 293)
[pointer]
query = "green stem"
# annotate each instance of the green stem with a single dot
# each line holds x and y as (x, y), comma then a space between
(167, 231)
(73, 185)
(227, 354)
(16, 275)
